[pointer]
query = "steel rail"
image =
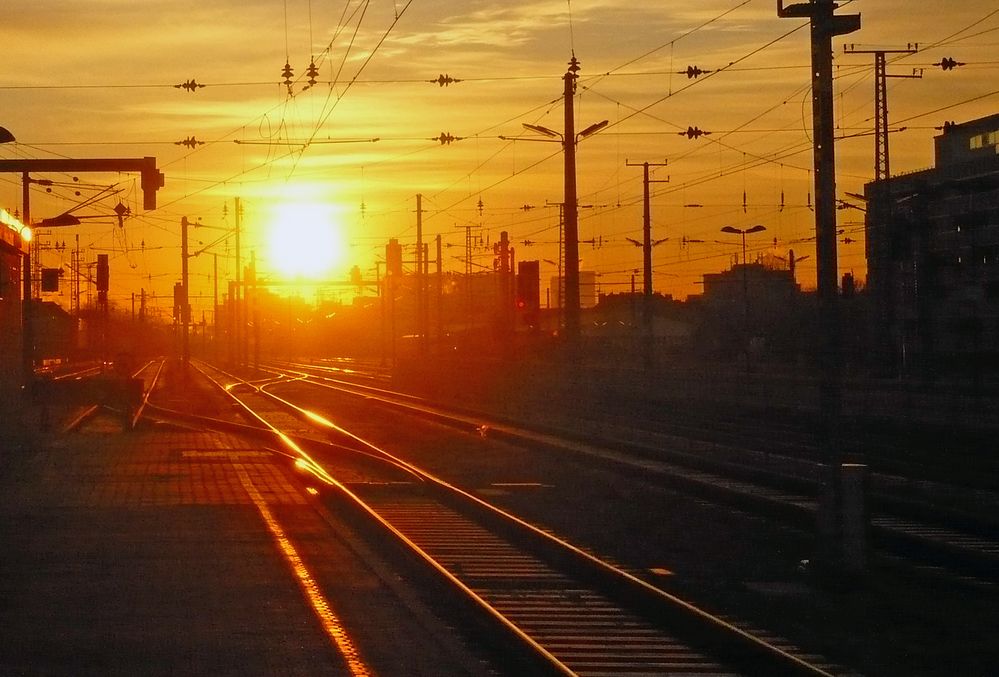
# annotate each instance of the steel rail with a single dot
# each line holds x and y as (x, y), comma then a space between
(898, 529)
(662, 609)
(91, 411)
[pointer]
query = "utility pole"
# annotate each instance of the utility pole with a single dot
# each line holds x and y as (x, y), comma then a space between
(425, 320)
(882, 167)
(503, 265)
(238, 327)
(440, 291)
(185, 308)
(647, 245)
(835, 526)
(255, 318)
(75, 302)
(571, 208)
(471, 241)
(232, 346)
(647, 220)
(215, 306)
(879, 241)
(380, 282)
(421, 297)
(393, 273)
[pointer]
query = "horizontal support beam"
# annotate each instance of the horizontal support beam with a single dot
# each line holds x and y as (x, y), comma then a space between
(152, 178)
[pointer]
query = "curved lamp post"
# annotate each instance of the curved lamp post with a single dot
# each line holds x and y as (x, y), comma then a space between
(744, 232)
(745, 281)
(569, 139)
(571, 211)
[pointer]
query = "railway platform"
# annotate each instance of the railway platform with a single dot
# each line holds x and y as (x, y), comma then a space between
(167, 551)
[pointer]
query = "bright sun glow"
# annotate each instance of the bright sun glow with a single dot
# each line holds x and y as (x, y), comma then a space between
(304, 240)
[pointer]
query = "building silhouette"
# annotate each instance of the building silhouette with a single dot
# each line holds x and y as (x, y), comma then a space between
(933, 257)
(753, 306)
(12, 253)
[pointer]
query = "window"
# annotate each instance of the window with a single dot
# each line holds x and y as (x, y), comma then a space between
(979, 141)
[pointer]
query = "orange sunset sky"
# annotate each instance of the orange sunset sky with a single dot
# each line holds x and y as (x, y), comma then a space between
(320, 194)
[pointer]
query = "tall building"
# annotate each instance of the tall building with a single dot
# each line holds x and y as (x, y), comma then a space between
(933, 255)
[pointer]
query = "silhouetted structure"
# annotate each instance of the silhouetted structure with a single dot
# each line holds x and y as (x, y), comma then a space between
(933, 256)
(12, 252)
(746, 305)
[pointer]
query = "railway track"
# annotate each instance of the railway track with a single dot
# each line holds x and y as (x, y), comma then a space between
(128, 416)
(557, 608)
(940, 529)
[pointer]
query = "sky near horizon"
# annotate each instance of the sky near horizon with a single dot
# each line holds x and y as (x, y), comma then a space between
(100, 79)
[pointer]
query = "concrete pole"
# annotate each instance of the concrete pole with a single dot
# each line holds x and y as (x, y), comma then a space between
(215, 306)
(831, 551)
(647, 259)
(185, 307)
(440, 293)
(571, 208)
(256, 310)
(421, 297)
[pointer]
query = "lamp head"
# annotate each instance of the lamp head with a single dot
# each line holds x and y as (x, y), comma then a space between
(542, 130)
(593, 129)
(60, 221)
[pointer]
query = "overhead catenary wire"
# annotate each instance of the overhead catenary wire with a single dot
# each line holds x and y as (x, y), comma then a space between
(484, 165)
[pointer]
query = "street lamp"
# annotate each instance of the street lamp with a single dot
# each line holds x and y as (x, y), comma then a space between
(744, 233)
(569, 139)
(570, 203)
(745, 281)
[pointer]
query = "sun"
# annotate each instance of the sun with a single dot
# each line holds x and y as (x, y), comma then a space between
(304, 240)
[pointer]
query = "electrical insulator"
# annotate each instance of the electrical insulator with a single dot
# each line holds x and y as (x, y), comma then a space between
(287, 73)
(189, 85)
(190, 142)
(949, 64)
(693, 133)
(312, 72)
(444, 80)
